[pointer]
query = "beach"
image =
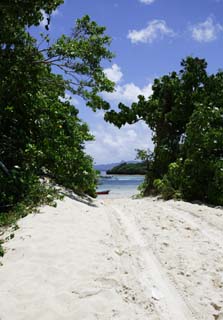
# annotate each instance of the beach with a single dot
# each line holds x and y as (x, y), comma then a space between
(120, 186)
(114, 258)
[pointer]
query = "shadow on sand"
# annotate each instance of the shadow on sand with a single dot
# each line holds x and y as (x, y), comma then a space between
(84, 199)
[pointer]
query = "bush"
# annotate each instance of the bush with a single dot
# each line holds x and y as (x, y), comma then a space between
(169, 186)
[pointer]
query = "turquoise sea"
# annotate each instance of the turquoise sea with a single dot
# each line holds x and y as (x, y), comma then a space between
(119, 185)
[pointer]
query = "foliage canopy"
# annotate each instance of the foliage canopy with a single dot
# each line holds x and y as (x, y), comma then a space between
(185, 113)
(129, 168)
(40, 132)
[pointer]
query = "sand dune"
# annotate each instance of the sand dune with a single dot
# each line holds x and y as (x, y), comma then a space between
(115, 259)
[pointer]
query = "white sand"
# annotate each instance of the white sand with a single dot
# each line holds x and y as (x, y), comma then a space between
(119, 259)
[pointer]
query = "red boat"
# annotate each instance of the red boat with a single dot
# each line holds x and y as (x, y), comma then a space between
(103, 192)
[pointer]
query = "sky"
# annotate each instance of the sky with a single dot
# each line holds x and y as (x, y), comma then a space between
(149, 39)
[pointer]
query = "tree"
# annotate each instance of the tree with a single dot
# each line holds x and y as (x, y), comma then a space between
(185, 115)
(23, 13)
(202, 168)
(166, 112)
(39, 133)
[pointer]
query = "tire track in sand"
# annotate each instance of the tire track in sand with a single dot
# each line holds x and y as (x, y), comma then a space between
(153, 279)
(208, 229)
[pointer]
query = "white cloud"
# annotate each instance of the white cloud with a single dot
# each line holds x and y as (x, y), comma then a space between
(55, 13)
(155, 29)
(114, 73)
(44, 21)
(147, 1)
(206, 31)
(113, 145)
(128, 93)
(73, 101)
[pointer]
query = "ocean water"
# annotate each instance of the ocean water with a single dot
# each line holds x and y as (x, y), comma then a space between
(119, 185)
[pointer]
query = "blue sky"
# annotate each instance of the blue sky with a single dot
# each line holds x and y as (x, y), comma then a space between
(150, 38)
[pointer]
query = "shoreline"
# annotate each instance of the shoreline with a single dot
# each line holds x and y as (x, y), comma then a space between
(115, 259)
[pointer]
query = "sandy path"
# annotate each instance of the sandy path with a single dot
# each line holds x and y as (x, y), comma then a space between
(149, 272)
(118, 259)
(187, 242)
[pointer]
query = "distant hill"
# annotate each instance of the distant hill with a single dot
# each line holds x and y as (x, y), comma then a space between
(105, 167)
(128, 168)
(109, 166)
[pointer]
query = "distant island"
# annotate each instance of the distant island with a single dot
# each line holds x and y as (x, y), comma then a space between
(107, 166)
(128, 168)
